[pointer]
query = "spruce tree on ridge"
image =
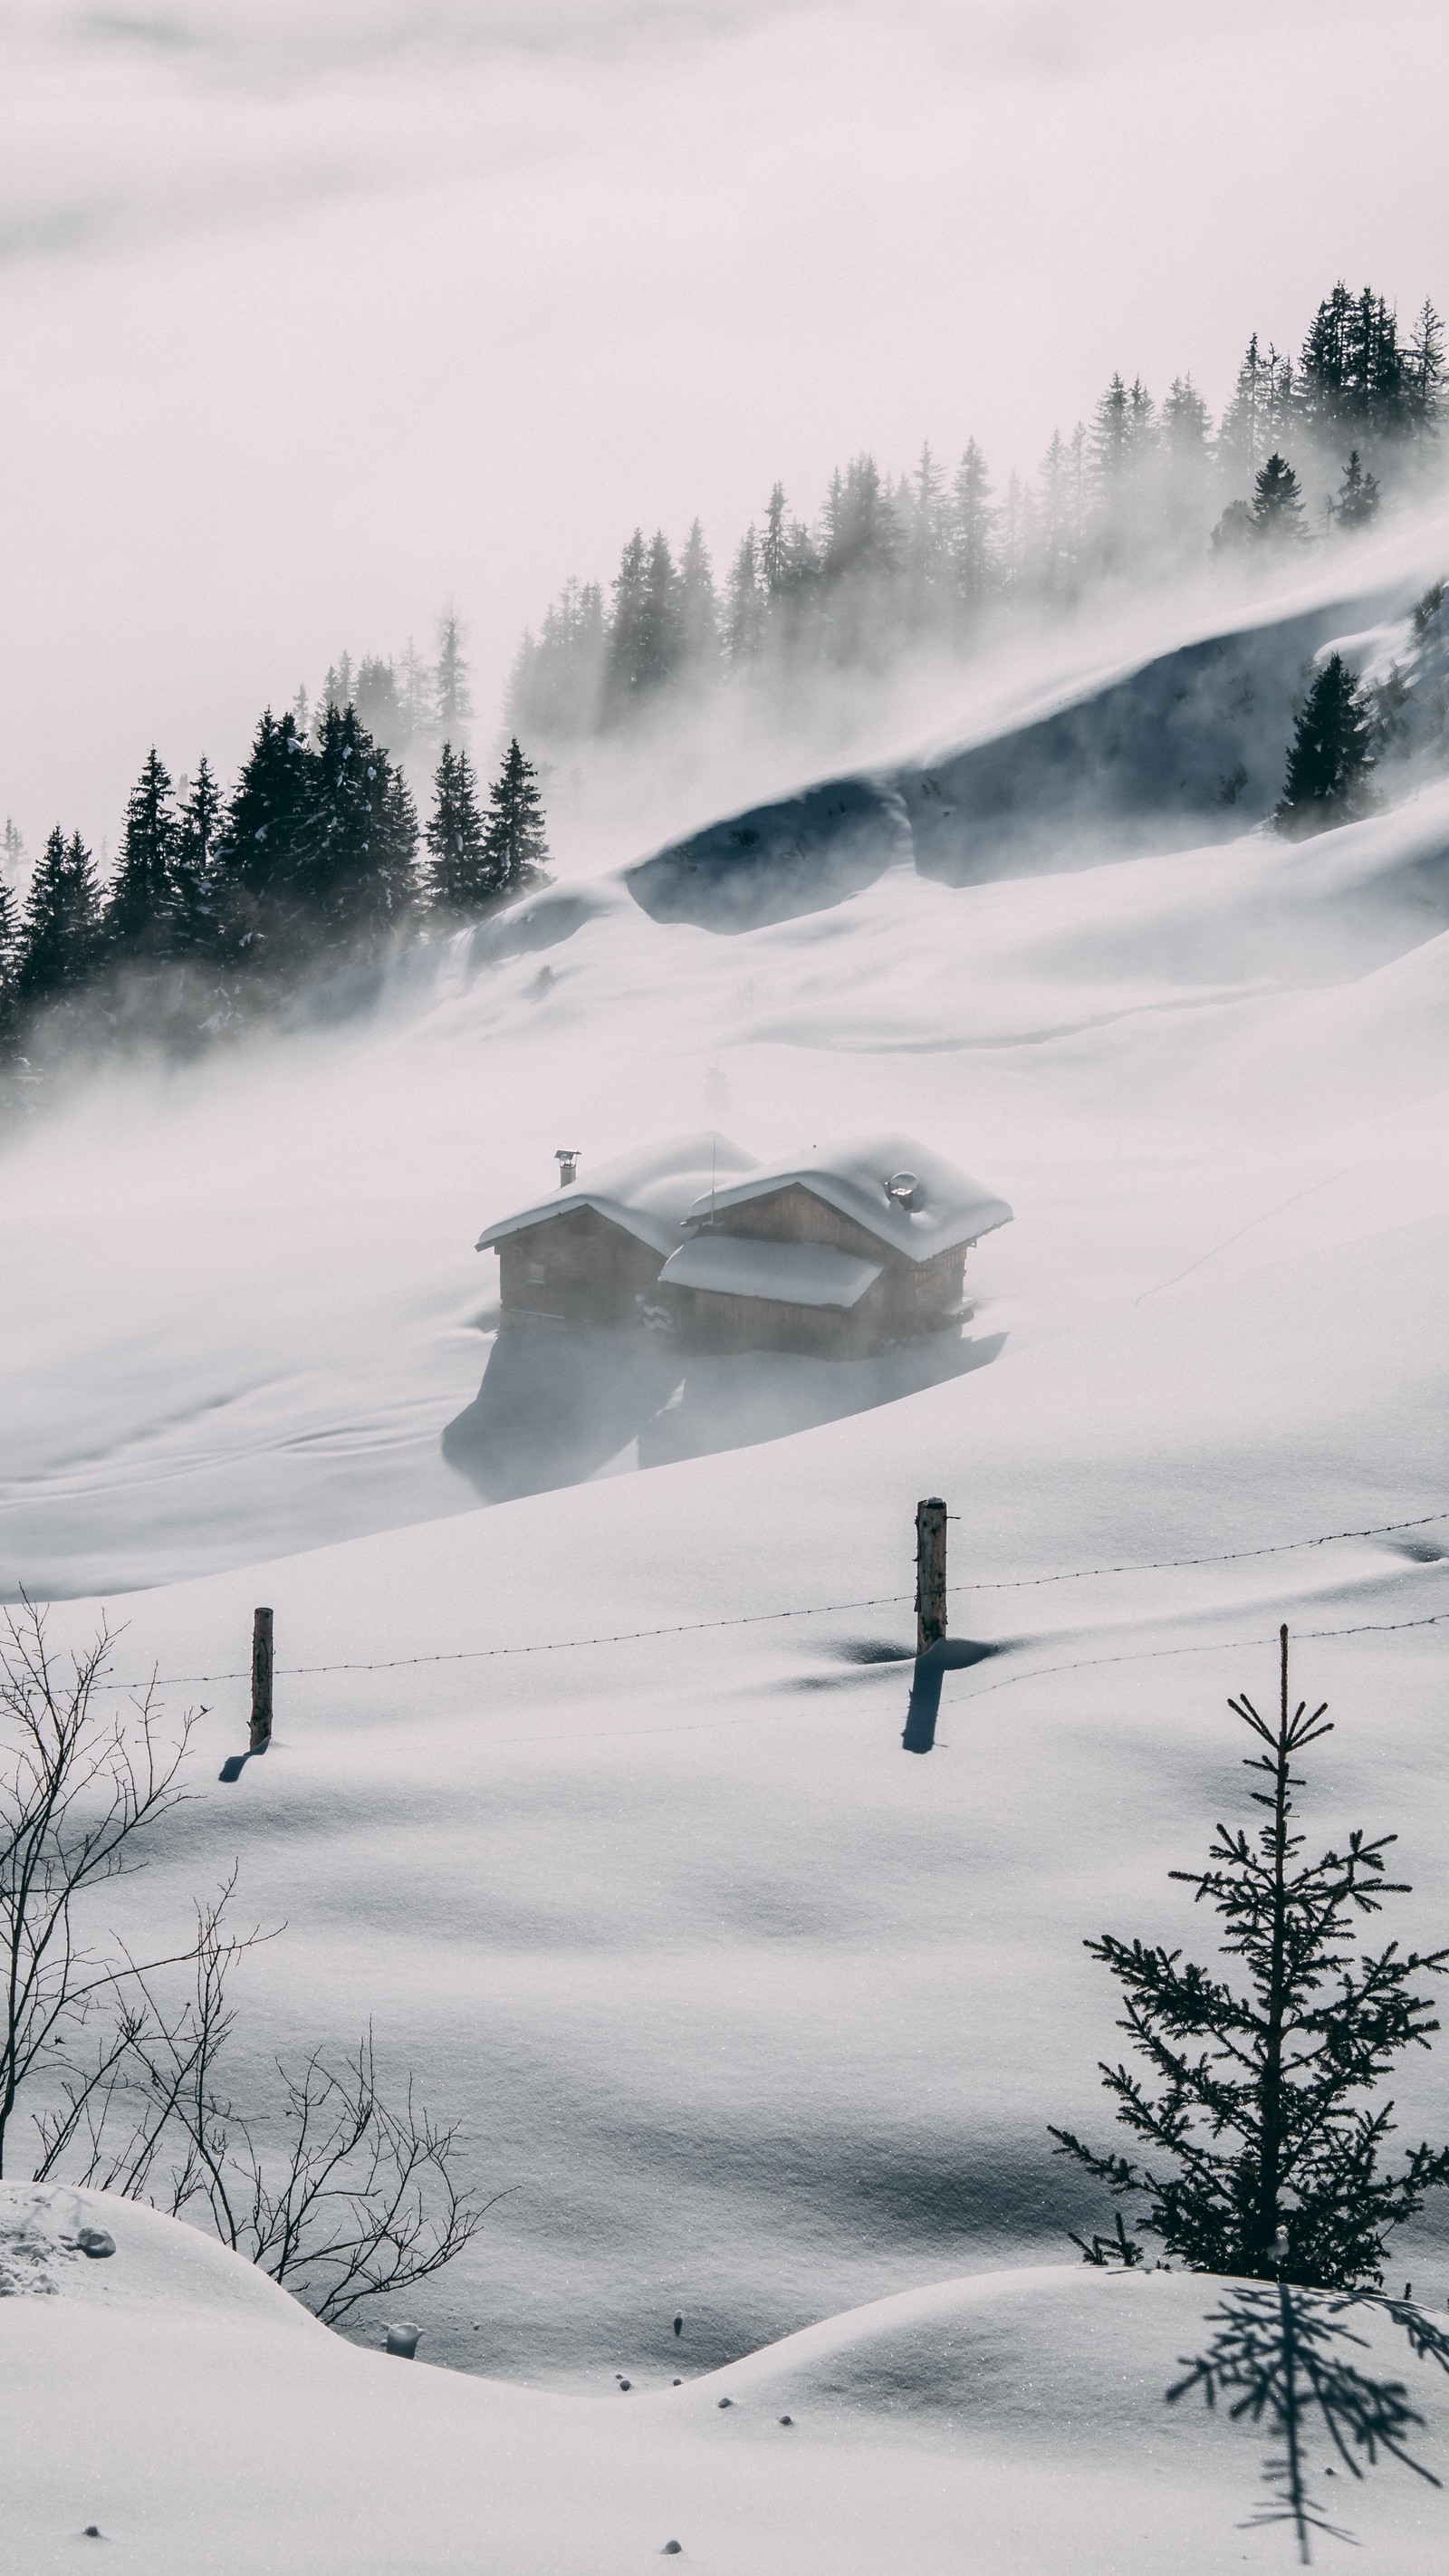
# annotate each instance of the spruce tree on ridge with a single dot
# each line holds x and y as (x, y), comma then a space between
(139, 908)
(515, 845)
(1330, 757)
(459, 880)
(60, 930)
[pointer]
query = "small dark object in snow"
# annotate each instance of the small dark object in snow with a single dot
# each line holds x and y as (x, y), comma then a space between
(626, 2383)
(787, 2419)
(403, 2341)
(726, 2401)
(672, 2549)
(97, 2242)
(93, 2531)
(679, 2325)
(679, 2383)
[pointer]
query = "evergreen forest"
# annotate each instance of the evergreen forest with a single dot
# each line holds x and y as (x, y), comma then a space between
(1305, 447)
(223, 901)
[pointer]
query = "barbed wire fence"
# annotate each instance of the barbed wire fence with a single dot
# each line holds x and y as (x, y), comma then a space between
(876, 1601)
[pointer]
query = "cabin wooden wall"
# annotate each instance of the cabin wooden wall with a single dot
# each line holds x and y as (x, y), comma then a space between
(909, 1297)
(593, 1271)
(796, 1215)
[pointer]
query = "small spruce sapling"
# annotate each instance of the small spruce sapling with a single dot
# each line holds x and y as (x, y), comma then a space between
(1263, 2149)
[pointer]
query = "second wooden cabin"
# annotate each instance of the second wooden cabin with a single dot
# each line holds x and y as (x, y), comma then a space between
(857, 1246)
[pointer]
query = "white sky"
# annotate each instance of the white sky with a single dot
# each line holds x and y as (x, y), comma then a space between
(315, 319)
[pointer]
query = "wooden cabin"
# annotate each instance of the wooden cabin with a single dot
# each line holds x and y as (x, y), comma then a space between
(861, 1246)
(591, 1251)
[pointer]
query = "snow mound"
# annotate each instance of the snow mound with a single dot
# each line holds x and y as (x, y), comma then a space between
(1018, 2421)
(112, 2253)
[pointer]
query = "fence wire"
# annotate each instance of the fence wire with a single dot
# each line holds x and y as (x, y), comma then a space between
(831, 1609)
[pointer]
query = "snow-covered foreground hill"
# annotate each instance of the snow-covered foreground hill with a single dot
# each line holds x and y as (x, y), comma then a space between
(172, 2405)
(595, 1803)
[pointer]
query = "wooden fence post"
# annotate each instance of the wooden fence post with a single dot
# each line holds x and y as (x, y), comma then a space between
(261, 1731)
(930, 1573)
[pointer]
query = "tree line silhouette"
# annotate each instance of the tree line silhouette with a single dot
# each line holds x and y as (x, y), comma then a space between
(927, 558)
(219, 904)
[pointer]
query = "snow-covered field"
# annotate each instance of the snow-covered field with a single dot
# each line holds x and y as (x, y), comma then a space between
(595, 1802)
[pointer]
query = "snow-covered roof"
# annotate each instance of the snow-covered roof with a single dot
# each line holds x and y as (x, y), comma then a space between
(646, 1192)
(795, 1274)
(946, 1207)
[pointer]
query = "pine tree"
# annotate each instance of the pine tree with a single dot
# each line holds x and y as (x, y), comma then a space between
(927, 513)
(661, 639)
(415, 695)
(378, 704)
(139, 909)
(555, 689)
(972, 533)
(193, 907)
(1110, 462)
(515, 846)
(1242, 444)
(1424, 373)
(337, 686)
(9, 946)
(698, 608)
(1277, 503)
(1330, 756)
(1053, 567)
(60, 931)
(355, 878)
(627, 670)
(1326, 368)
(744, 605)
(461, 879)
(1356, 502)
(262, 851)
(1267, 2149)
(452, 698)
(774, 551)
(1186, 450)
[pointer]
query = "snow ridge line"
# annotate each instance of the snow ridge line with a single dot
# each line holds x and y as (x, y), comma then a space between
(824, 1609)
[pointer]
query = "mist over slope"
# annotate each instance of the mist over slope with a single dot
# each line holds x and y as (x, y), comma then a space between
(250, 1303)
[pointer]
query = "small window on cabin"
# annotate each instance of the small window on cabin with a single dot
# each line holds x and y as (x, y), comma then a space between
(535, 1274)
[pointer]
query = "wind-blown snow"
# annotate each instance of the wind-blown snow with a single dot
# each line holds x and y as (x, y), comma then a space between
(764, 2017)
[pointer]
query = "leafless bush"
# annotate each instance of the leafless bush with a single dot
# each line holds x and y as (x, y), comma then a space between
(342, 2194)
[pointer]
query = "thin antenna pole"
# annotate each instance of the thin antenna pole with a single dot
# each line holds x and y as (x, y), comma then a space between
(1283, 1655)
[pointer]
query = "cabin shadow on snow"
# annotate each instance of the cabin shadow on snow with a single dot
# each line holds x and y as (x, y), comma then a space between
(681, 1301)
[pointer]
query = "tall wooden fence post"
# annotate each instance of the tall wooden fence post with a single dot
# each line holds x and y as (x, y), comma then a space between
(930, 1573)
(261, 1732)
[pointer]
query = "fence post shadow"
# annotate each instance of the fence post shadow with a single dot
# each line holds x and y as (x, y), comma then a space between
(236, 1763)
(948, 1655)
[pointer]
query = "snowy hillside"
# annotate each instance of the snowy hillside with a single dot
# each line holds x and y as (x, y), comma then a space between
(595, 1803)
